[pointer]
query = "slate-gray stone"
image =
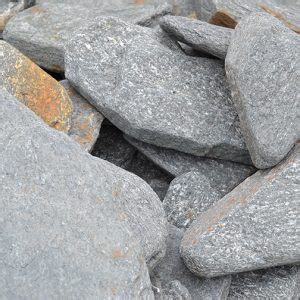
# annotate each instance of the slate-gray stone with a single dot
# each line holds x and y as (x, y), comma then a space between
(262, 67)
(253, 227)
(64, 229)
(199, 35)
(273, 283)
(172, 269)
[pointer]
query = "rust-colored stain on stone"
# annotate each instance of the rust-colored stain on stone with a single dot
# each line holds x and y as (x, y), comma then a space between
(117, 253)
(223, 18)
(139, 2)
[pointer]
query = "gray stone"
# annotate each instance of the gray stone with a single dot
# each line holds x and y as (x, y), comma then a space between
(64, 229)
(85, 121)
(222, 175)
(42, 31)
(262, 67)
(174, 290)
(188, 196)
(253, 227)
(172, 268)
(199, 35)
(273, 283)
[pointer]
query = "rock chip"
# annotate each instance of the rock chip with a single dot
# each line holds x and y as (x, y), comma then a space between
(62, 221)
(173, 269)
(42, 31)
(263, 67)
(273, 283)
(35, 88)
(86, 120)
(174, 290)
(201, 36)
(253, 227)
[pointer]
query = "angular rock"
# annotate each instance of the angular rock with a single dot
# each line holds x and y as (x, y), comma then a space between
(222, 175)
(86, 120)
(262, 67)
(201, 36)
(35, 88)
(174, 290)
(274, 283)
(63, 216)
(228, 12)
(123, 75)
(42, 31)
(173, 269)
(253, 227)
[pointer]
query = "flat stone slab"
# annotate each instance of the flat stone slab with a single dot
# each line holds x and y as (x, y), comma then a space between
(86, 120)
(273, 283)
(64, 216)
(201, 36)
(42, 31)
(35, 88)
(262, 67)
(251, 228)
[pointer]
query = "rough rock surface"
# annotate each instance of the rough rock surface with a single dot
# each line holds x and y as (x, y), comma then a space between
(34, 87)
(252, 227)
(172, 268)
(42, 31)
(228, 12)
(262, 67)
(188, 196)
(273, 283)
(223, 175)
(61, 222)
(199, 35)
(173, 290)
(118, 67)
(86, 120)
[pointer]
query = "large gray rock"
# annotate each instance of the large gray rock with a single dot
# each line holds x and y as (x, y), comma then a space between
(119, 68)
(64, 229)
(274, 283)
(253, 227)
(222, 175)
(173, 269)
(199, 35)
(262, 67)
(42, 31)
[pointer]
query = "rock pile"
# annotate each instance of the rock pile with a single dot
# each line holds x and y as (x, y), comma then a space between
(149, 149)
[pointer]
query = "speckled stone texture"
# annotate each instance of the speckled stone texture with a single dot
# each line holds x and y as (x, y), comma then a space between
(273, 283)
(42, 31)
(262, 67)
(35, 88)
(85, 121)
(222, 175)
(173, 269)
(253, 227)
(199, 35)
(64, 229)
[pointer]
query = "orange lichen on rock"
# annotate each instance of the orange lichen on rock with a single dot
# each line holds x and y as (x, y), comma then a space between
(222, 18)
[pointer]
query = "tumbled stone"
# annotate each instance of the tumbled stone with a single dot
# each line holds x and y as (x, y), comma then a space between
(119, 66)
(253, 227)
(86, 120)
(273, 283)
(172, 268)
(262, 67)
(64, 216)
(42, 31)
(222, 175)
(199, 35)
(228, 12)
(34, 87)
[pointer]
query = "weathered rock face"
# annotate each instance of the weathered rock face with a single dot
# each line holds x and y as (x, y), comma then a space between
(53, 26)
(86, 120)
(262, 67)
(35, 88)
(64, 216)
(252, 227)
(228, 12)
(274, 283)
(173, 269)
(199, 35)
